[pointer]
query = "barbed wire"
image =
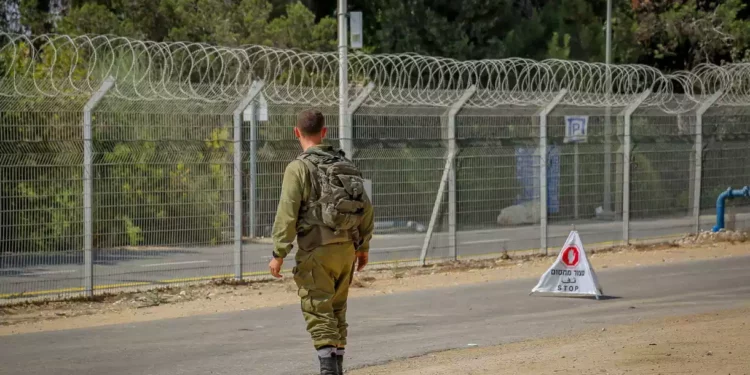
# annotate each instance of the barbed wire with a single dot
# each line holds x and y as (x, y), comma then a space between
(57, 65)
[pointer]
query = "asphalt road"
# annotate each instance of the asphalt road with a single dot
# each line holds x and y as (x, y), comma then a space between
(59, 273)
(273, 341)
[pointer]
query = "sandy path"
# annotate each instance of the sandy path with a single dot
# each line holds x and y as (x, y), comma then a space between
(716, 343)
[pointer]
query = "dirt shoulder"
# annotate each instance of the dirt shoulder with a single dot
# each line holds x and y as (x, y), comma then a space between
(715, 343)
(224, 297)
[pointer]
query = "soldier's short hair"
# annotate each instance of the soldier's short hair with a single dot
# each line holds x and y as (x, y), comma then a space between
(310, 122)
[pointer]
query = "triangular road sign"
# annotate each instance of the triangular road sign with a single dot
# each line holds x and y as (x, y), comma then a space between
(571, 274)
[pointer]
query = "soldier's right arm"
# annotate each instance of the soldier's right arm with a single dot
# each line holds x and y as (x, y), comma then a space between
(287, 213)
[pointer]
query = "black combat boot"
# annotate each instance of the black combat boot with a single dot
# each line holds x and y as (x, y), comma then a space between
(340, 364)
(328, 365)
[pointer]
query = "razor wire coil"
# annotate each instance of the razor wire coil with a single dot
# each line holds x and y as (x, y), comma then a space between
(56, 65)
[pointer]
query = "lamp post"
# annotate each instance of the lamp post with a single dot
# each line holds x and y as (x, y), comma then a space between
(345, 136)
(607, 204)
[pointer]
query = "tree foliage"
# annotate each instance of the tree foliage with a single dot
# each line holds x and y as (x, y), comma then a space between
(669, 34)
(224, 22)
(674, 35)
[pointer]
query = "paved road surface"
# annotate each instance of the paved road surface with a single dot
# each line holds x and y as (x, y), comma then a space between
(121, 268)
(273, 341)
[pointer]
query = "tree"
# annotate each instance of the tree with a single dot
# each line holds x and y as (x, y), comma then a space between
(297, 29)
(469, 29)
(582, 21)
(207, 21)
(557, 51)
(675, 35)
(93, 18)
(219, 22)
(34, 16)
(480, 29)
(145, 16)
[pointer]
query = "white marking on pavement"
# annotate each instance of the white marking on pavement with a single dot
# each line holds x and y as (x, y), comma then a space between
(174, 263)
(414, 247)
(417, 247)
(483, 241)
(52, 272)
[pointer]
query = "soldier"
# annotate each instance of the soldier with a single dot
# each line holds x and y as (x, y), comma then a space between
(323, 204)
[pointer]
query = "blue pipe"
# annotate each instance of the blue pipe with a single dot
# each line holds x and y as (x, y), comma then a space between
(728, 194)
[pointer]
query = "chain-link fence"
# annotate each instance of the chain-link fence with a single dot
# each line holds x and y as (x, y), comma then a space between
(115, 176)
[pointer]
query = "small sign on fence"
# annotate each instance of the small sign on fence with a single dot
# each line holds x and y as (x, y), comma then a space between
(262, 108)
(355, 29)
(576, 129)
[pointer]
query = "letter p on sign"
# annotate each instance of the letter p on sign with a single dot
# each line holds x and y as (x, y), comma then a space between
(576, 129)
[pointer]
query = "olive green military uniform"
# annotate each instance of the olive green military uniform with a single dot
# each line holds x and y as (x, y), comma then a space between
(325, 260)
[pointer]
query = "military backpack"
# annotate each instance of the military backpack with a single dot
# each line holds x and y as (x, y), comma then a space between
(337, 198)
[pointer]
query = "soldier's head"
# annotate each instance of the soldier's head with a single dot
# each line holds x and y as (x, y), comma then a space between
(310, 128)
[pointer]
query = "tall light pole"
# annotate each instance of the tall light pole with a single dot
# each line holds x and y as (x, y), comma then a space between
(607, 204)
(609, 34)
(345, 136)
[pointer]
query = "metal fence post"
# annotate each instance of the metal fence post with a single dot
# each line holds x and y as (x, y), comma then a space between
(255, 89)
(698, 162)
(627, 114)
(345, 133)
(253, 188)
(436, 207)
(88, 186)
(447, 181)
(543, 167)
(576, 179)
(453, 150)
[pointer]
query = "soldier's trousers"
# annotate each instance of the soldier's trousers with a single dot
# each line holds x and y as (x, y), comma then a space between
(323, 277)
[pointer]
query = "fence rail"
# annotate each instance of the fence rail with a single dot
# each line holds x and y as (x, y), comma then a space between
(127, 163)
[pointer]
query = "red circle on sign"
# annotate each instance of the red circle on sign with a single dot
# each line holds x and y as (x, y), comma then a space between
(570, 256)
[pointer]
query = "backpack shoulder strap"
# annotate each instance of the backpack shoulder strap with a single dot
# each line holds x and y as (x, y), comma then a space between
(311, 164)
